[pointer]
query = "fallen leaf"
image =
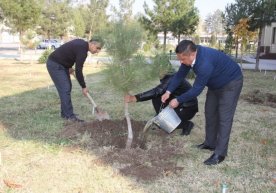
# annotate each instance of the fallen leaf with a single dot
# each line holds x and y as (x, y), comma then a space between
(264, 141)
(11, 184)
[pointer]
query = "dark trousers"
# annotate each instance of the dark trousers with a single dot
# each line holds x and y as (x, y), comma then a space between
(184, 113)
(220, 108)
(61, 78)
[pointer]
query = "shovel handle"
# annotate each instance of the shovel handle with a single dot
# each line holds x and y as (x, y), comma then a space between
(88, 95)
(91, 100)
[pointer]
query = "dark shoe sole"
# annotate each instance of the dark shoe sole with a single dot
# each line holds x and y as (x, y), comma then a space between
(202, 146)
(213, 162)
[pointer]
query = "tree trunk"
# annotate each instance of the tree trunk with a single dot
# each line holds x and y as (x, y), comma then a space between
(178, 38)
(237, 47)
(20, 50)
(258, 49)
(129, 128)
(241, 55)
(90, 33)
(165, 39)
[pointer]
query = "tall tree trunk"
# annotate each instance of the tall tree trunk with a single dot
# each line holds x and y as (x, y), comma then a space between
(241, 54)
(165, 39)
(90, 33)
(178, 38)
(237, 47)
(258, 49)
(129, 128)
(20, 50)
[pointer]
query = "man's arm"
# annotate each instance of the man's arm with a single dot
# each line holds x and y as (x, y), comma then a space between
(79, 66)
(200, 82)
(177, 78)
(175, 82)
(150, 94)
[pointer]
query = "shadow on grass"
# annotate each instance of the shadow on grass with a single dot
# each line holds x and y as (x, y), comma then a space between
(34, 115)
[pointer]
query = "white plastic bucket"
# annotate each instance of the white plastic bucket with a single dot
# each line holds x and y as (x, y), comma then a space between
(167, 119)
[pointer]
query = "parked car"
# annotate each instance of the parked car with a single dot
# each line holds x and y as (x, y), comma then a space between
(49, 44)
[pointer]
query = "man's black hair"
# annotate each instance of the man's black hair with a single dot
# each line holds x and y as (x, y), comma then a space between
(97, 39)
(185, 46)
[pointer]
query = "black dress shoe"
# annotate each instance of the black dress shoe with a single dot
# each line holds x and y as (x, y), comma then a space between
(187, 130)
(214, 159)
(203, 146)
(75, 119)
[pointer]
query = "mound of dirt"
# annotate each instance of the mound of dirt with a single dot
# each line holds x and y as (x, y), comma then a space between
(258, 97)
(146, 160)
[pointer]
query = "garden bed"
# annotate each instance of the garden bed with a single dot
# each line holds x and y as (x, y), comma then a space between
(143, 161)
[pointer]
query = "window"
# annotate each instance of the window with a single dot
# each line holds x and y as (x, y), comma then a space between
(274, 35)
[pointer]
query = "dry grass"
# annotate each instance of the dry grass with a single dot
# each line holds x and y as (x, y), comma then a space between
(35, 159)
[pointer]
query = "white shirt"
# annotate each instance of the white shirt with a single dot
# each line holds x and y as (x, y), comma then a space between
(193, 63)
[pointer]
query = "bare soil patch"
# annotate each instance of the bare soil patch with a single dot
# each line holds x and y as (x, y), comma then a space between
(146, 160)
(259, 97)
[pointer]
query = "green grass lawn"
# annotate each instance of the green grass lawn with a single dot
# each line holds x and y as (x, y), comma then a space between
(34, 159)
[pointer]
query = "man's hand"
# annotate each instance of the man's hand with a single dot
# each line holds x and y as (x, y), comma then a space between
(130, 98)
(165, 96)
(85, 91)
(174, 103)
(71, 71)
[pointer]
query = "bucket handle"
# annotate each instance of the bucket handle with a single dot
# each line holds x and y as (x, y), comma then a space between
(161, 107)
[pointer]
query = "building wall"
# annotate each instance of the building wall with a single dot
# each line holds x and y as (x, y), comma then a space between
(268, 36)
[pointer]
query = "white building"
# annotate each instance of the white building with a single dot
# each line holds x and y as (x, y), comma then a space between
(268, 40)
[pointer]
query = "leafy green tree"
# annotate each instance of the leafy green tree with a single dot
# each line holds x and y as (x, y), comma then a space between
(186, 18)
(127, 69)
(55, 19)
(20, 15)
(160, 18)
(78, 22)
(95, 16)
(125, 10)
(229, 41)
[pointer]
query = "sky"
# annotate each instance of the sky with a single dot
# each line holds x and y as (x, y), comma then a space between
(205, 6)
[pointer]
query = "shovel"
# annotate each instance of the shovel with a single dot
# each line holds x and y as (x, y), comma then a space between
(100, 114)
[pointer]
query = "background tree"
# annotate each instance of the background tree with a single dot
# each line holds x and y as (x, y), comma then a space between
(124, 13)
(160, 18)
(242, 34)
(127, 69)
(29, 41)
(186, 18)
(20, 15)
(78, 23)
(55, 20)
(232, 15)
(95, 16)
(214, 24)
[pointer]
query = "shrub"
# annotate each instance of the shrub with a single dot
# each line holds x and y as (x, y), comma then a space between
(43, 58)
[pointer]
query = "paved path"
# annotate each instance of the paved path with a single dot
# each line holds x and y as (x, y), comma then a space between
(10, 51)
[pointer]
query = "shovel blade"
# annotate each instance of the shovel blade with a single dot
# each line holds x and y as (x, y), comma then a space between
(102, 115)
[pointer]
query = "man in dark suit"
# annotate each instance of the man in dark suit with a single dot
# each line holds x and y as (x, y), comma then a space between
(185, 111)
(224, 80)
